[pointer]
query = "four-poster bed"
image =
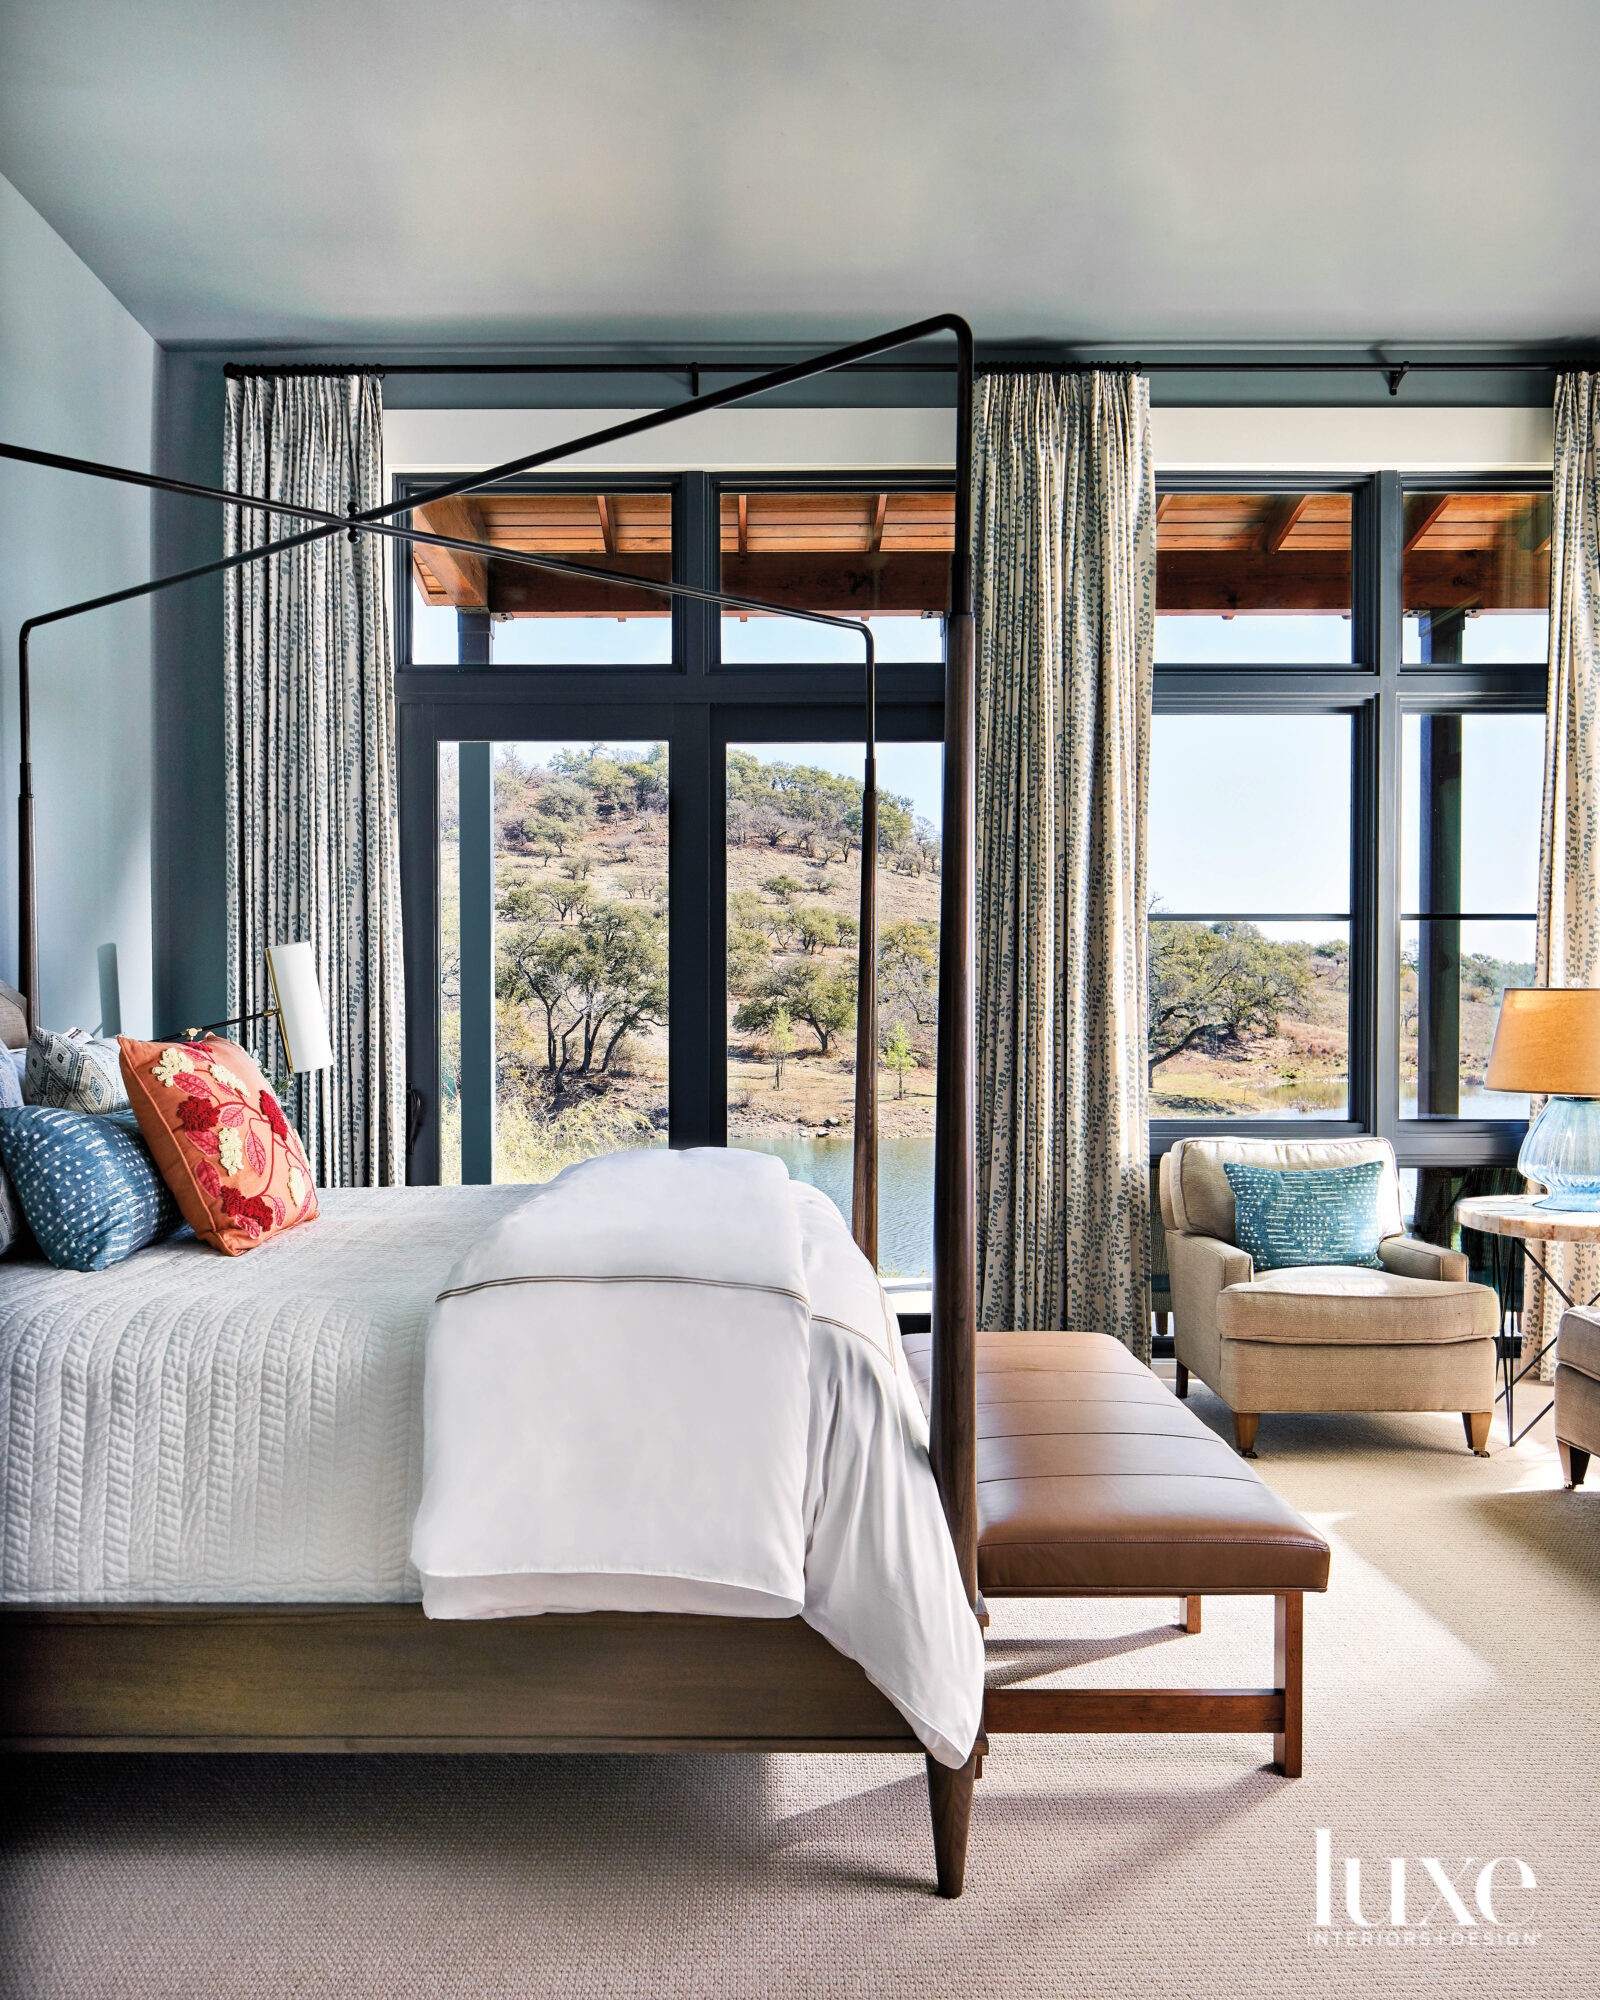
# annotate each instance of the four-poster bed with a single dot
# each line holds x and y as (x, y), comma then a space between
(379, 1676)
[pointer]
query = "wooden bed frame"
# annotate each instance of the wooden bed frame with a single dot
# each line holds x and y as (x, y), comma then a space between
(341, 1678)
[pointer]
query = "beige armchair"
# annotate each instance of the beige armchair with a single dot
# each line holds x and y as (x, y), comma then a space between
(1413, 1336)
(1578, 1391)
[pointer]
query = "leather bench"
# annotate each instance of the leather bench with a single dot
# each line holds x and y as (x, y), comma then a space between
(1095, 1481)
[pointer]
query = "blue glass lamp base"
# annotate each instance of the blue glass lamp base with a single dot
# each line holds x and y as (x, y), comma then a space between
(1562, 1153)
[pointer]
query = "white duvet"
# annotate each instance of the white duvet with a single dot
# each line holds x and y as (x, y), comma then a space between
(670, 1382)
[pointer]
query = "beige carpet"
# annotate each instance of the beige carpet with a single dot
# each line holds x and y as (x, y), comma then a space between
(1453, 1710)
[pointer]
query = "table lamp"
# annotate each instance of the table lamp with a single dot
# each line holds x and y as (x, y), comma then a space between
(296, 1007)
(1547, 1042)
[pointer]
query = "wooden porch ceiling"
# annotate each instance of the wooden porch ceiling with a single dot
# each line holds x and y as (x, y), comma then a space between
(1287, 552)
(861, 553)
(847, 552)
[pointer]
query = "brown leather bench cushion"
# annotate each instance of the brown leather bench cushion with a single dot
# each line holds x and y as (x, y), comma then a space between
(1093, 1477)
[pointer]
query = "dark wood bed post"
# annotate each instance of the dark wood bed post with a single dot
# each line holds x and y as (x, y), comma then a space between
(954, 1415)
(864, 1175)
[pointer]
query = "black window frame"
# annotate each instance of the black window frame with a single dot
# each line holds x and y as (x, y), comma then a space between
(697, 706)
(1377, 690)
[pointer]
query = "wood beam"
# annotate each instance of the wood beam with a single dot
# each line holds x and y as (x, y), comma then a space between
(880, 507)
(1422, 510)
(1162, 505)
(1280, 521)
(608, 522)
(461, 577)
(744, 524)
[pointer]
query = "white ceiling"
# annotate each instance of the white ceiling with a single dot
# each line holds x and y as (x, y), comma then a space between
(574, 170)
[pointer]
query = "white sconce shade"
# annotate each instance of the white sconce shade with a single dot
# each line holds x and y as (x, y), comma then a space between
(297, 1001)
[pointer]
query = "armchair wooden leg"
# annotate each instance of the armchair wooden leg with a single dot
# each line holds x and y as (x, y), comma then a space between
(1182, 1384)
(1244, 1433)
(1574, 1464)
(1288, 1651)
(1476, 1425)
(1190, 1621)
(950, 1801)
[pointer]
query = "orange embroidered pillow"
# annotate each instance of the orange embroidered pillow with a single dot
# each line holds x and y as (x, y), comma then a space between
(219, 1136)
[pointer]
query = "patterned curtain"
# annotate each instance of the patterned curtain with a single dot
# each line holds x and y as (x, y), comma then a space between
(1567, 948)
(313, 846)
(1064, 524)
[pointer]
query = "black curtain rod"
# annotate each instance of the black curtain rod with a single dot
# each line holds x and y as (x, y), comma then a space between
(1041, 364)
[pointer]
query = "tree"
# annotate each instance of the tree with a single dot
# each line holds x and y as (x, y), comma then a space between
(780, 1044)
(898, 1056)
(824, 997)
(908, 967)
(783, 888)
(1224, 979)
(593, 981)
(749, 955)
(818, 928)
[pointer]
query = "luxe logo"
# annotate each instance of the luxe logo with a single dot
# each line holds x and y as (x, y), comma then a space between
(1446, 1895)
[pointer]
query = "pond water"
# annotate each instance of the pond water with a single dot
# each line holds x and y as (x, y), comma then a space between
(905, 1191)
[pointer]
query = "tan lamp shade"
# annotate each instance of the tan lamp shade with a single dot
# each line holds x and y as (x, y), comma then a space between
(1547, 1041)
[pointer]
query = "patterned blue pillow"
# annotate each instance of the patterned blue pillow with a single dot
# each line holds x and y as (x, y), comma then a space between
(86, 1183)
(1307, 1215)
(10, 1078)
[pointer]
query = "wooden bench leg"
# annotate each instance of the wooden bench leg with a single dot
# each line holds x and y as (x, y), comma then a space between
(1574, 1464)
(1182, 1384)
(1288, 1651)
(1476, 1425)
(1189, 1619)
(950, 1801)
(1244, 1433)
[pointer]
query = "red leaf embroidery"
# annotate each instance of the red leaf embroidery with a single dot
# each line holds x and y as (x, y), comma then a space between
(206, 1179)
(231, 1112)
(255, 1153)
(195, 1085)
(278, 1211)
(204, 1142)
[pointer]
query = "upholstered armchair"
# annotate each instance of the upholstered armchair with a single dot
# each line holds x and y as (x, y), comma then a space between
(1578, 1391)
(1414, 1335)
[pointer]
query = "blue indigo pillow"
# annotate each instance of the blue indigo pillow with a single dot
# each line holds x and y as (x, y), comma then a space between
(1307, 1215)
(86, 1184)
(10, 1078)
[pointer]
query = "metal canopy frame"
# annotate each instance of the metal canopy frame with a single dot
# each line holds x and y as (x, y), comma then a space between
(953, 1426)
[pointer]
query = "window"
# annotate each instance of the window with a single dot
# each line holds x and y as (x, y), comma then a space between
(793, 902)
(1250, 916)
(1469, 900)
(584, 854)
(560, 986)
(509, 614)
(854, 553)
(1476, 579)
(1346, 774)
(1253, 577)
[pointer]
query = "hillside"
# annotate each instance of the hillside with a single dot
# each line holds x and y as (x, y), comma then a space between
(581, 872)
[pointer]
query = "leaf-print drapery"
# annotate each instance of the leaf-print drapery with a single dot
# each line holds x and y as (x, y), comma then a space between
(1567, 948)
(312, 826)
(1064, 521)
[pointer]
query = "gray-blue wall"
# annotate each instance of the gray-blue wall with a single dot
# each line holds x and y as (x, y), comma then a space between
(77, 375)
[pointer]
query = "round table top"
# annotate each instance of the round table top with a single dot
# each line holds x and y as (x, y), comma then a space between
(1520, 1215)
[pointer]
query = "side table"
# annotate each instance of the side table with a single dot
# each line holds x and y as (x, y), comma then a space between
(1520, 1218)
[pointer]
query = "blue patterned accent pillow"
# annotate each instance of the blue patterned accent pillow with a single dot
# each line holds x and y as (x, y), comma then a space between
(11, 1061)
(86, 1184)
(1307, 1215)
